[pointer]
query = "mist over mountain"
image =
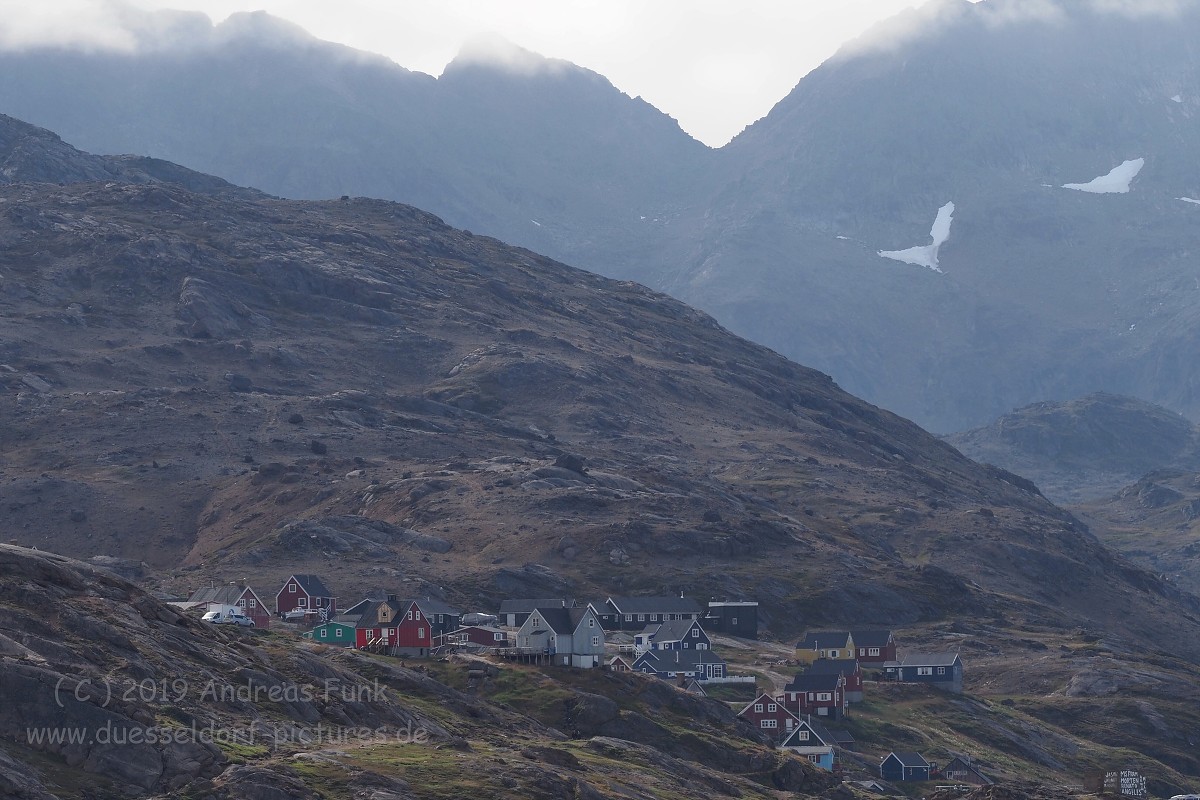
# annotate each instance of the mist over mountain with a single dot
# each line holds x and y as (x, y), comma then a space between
(1039, 290)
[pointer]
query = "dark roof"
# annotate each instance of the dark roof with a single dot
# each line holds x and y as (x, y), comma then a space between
(818, 730)
(562, 620)
(526, 606)
(929, 659)
(430, 606)
(674, 630)
(806, 682)
(841, 736)
(356, 609)
(655, 605)
(823, 640)
(228, 594)
(347, 619)
(909, 759)
(369, 618)
(871, 638)
(679, 660)
(313, 585)
(833, 666)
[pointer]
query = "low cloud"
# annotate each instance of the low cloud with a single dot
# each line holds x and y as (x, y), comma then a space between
(96, 25)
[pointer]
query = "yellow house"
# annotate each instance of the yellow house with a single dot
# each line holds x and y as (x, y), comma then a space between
(824, 644)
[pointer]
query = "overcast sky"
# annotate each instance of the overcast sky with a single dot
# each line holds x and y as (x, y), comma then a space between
(714, 65)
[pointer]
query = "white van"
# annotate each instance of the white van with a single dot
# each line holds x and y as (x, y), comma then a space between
(231, 616)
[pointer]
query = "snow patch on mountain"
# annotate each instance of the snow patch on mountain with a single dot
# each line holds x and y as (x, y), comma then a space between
(1177, 99)
(1117, 181)
(927, 255)
(1190, 200)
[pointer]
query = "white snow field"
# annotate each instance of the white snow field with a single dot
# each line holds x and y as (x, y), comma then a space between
(1115, 182)
(927, 255)
(1190, 200)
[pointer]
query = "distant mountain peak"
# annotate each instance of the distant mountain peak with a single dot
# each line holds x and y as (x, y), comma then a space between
(493, 50)
(262, 28)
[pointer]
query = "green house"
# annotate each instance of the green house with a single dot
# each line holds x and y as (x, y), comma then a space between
(332, 632)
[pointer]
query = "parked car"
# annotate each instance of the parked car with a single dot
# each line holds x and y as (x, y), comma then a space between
(228, 617)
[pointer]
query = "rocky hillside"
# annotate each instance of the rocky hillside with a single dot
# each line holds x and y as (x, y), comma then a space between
(1087, 448)
(231, 386)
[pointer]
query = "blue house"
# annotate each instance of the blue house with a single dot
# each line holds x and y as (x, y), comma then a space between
(940, 670)
(672, 664)
(904, 767)
(679, 634)
(812, 741)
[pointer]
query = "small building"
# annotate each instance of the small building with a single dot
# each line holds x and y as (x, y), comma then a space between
(940, 670)
(733, 618)
(478, 635)
(671, 665)
(962, 769)
(513, 613)
(232, 594)
(307, 593)
(848, 668)
(812, 741)
(619, 664)
(339, 631)
(824, 644)
(842, 738)
(904, 767)
(770, 716)
(634, 613)
(821, 695)
(571, 637)
(442, 618)
(677, 634)
(874, 646)
(396, 626)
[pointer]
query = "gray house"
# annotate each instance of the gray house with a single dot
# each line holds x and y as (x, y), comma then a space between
(572, 637)
(940, 670)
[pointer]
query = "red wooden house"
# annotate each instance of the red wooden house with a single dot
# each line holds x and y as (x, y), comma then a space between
(770, 716)
(232, 594)
(395, 626)
(305, 592)
(819, 695)
(848, 668)
(874, 646)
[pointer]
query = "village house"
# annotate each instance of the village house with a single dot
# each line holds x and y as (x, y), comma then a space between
(940, 670)
(619, 664)
(701, 665)
(633, 613)
(812, 741)
(962, 769)
(904, 767)
(480, 635)
(819, 695)
(306, 593)
(678, 634)
(513, 613)
(396, 626)
(339, 631)
(734, 618)
(824, 644)
(770, 716)
(848, 668)
(442, 618)
(237, 595)
(874, 646)
(570, 636)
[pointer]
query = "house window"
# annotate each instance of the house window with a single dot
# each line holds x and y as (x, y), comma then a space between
(833, 653)
(416, 613)
(498, 637)
(420, 633)
(941, 670)
(595, 641)
(301, 602)
(814, 759)
(641, 617)
(701, 646)
(654, 617)
(824, 697)
(242, 602)
(391, 631)
(337, 633)
(772, 707)
(440, 620)
(733, 621)
(253, 603)
(874, 651)
(672, 616)
(324, 634)
(802, 735)
(695, 633)
(291, 587)
(758, 707)
(685, 645)
(591, 622)
(924, 670)
(629, 617)
(719, 671)
(770, 723)
(811, 697)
